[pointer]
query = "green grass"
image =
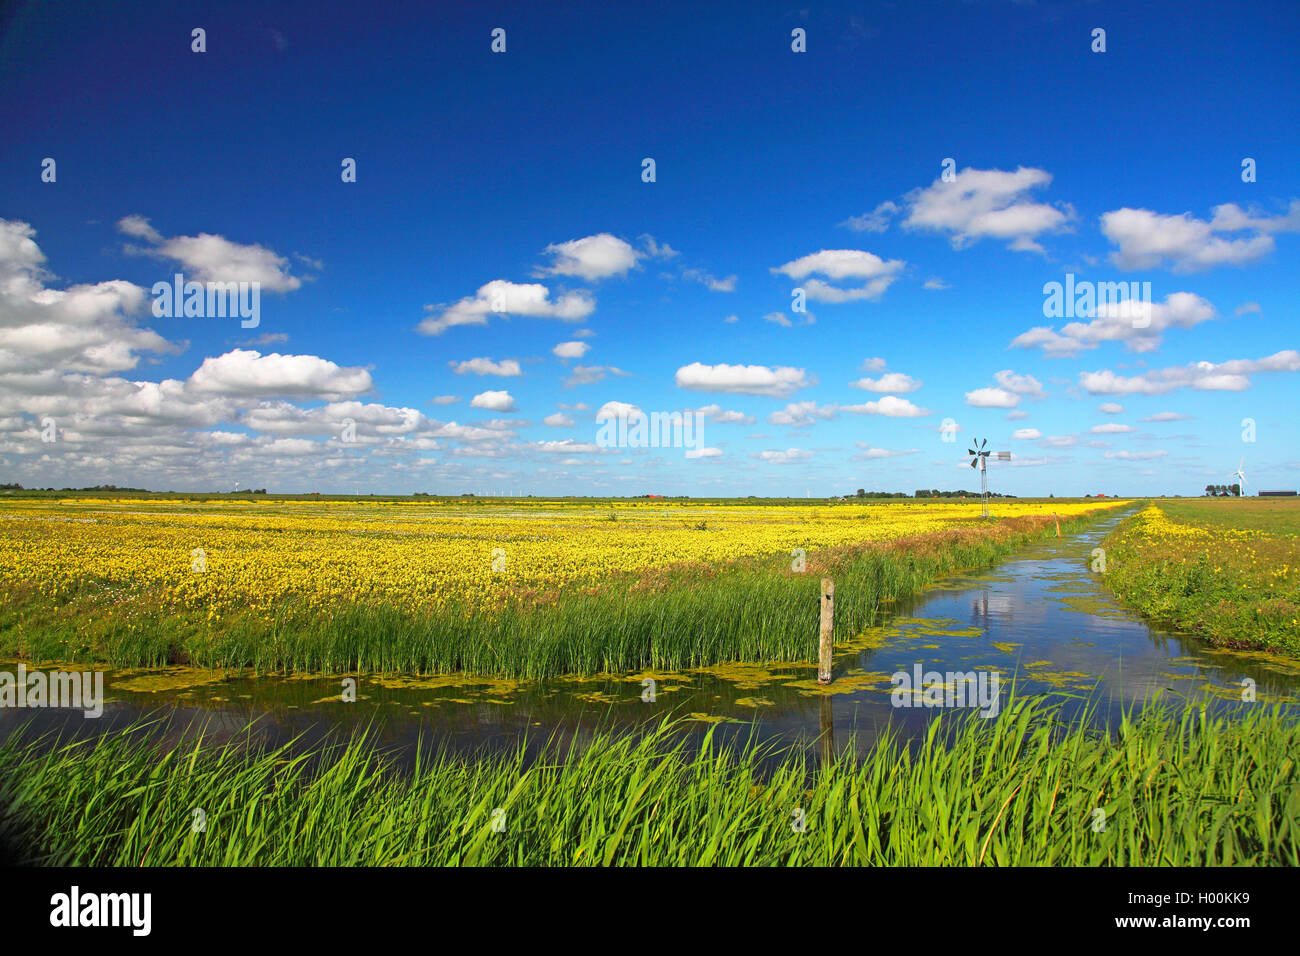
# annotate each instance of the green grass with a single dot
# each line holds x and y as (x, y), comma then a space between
(749, 611)
(1226, 570)
(1178, 787)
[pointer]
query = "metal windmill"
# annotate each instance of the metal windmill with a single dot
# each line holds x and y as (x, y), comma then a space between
(1240, 476)
(979, 459)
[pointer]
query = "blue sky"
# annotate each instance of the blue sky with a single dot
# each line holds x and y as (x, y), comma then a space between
(521, 173)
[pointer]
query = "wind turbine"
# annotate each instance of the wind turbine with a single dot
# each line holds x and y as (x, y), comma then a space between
(979, 459)
(1240, 476)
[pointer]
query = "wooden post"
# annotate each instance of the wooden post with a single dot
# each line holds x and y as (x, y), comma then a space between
(1058, 525)
(827, 623)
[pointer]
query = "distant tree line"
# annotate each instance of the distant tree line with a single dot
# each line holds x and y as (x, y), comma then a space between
(1223, 491)
(960, 493)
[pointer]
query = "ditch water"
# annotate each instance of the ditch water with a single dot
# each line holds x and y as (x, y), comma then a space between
(1042, 620)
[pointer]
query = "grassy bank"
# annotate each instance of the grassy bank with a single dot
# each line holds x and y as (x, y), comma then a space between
(1177, 787)
(1226, 570)
(693, 614)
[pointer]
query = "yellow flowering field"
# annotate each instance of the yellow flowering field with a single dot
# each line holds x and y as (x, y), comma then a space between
(1227, 570)
(215, 557)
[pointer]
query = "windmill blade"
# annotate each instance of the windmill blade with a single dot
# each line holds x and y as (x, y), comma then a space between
(970, 451)
(983, 442)
(973, 461)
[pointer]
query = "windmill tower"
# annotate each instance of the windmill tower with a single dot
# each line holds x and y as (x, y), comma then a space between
(1240, 476)
(980, 459)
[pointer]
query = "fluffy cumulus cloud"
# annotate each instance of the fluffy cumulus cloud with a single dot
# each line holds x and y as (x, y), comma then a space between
(496, 401)
(1140, 326)
(992, 398)
(840, 265)
(571, 350)
(592, 258)
(504, 298)
(211, 258)
(777, 382)
(1231, 376)
(716, 413)
(987, 203)
(89, 328)
(485, 366)
(890, 406)
(1020, 384)
(889, 382)
(1026, 434)
(246, 372)
(1232, 236)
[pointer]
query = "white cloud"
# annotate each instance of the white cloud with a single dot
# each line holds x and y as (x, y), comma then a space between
(591, 374)
(934, 283)
(1026, 434)
(801, 413)
(618, 410)
(1135, 455)
(446, 399)
(1166, 417)
(876, 364)
(875, 221)
(839, 264)
(657, 250)
(500, 297)
(496, 401)
(1111, 408)
(591, 258)
(704, 453)
(485, 366)
(1115, 322)
(1020, 384)
(558, 420)
(783, 457)
(776, 382)
(992, 398)
(571, 350)
(869, 453)
(1230, 376)
(566, 446)
(890, 406)
(711, 282)
(981, 203)
(246, 372)
(716, 413)
(1247, 308)
(1111, 428)
(1146, 239)
(889, 382)
(211, 258)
